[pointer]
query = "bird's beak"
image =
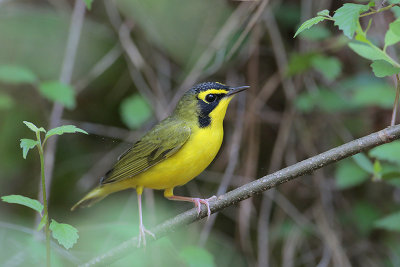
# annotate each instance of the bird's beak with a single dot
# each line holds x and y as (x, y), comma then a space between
(235, 90)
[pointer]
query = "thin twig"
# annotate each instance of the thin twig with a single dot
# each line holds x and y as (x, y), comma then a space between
(254, 19)
(99, 68)
(254, 188)
(396, 101)
(65, 77)
(220, 39)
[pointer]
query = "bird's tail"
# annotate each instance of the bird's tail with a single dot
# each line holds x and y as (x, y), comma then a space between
(92, 197)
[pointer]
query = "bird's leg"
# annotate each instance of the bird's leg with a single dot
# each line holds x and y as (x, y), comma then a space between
(197, 202)
(142, 230)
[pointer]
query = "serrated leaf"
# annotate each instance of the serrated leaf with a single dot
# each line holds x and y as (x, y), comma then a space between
(390, 222)
(388, 152)
(348, 175)
(58, 92)
(346, 17)
(25, 201)
(324, 12)
(16, 75)
(26, 145)
(33, 127)
(64, 129)
(382, 68)
(363, 162)
(88, 4)
(366, 51)
(42, 223)
(135, 111)
(196, 257)
(308, 24)
(330, 67)
(65, 234)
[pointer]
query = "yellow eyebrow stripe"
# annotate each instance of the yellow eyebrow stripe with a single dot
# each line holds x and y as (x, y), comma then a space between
(202, 95)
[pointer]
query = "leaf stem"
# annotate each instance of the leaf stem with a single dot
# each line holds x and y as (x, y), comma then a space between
(45, 209)
(379, 10)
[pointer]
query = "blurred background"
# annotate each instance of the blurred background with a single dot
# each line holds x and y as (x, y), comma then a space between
(127, 63)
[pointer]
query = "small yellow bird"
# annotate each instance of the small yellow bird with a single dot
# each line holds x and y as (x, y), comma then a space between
(173, 152)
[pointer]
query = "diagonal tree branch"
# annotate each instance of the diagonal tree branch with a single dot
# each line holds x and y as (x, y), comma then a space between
(256, 187)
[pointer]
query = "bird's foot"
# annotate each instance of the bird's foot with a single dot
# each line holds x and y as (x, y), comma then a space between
(142, 235)
(198, 201)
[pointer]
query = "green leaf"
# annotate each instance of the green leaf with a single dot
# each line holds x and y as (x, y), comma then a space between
(26, 145)
(33, 127)
(323, 99)
(6, 102)
(308, 24)
(16, 75)
(390, 222)
(66, 234)
(382, 68)
(364, 214)
(299, 63)
(349, 175)
(135, 111)
(363, 162)
(366, 51)
(88, 4)
(391, 38)
(58, 92)
(396, 11)
(26, 201)
(196, 257)
(388, 152)
(316, 33)
(324, 12)
(392, 35)
(395, 27)
(42, 223)
(346, 18)
(373, 94)
(64, 129)
(330, 67)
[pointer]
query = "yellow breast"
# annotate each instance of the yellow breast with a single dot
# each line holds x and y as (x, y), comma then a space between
(194, 156)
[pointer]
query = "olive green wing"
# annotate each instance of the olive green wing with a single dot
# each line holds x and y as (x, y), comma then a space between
(164, 140)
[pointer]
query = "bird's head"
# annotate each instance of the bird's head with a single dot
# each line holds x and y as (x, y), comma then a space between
(207, 102)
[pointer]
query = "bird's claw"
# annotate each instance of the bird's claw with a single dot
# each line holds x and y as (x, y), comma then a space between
(199, 201)
(142, 235)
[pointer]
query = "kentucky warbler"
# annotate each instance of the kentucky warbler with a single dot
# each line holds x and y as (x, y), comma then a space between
(173, 152)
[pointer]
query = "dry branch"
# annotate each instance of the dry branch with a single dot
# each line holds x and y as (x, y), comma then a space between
(256, 187)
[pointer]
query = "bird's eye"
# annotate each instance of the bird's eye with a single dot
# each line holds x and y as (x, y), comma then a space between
(210, 98)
